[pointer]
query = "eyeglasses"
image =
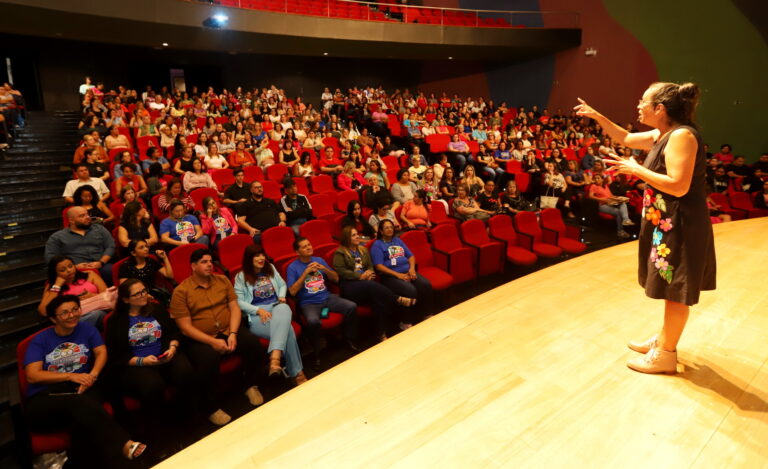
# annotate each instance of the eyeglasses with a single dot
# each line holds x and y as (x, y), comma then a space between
(69, 313)
(139, 293)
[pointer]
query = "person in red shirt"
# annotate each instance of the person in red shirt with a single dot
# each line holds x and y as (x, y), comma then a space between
(725, 156)
(330, 163)
(241, 158)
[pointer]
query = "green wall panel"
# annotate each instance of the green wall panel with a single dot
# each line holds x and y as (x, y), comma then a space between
(709, 42)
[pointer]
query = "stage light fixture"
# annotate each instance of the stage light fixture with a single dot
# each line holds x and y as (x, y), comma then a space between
(217, 21)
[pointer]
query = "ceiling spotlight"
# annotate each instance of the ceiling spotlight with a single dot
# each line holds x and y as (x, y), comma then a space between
(216, 21)
(165, 44)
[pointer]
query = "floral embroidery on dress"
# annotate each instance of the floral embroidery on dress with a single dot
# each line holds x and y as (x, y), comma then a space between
(655, 207)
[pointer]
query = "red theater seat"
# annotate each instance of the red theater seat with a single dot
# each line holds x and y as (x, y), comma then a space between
(501, 229)
(556, 232)
(490, 254)
(528, 227)
(453, 256)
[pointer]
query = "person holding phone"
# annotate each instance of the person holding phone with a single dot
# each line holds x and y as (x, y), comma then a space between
(145, 359)
(307, 277)
(62, 366)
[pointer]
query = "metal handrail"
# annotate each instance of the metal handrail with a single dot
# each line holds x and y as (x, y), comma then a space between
(540, 19)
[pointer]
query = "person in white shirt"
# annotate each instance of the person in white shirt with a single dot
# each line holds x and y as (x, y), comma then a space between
(84, 178)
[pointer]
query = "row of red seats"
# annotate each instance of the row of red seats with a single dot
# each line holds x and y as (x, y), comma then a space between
(358, 11)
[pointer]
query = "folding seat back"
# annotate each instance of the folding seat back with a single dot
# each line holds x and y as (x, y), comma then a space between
(231, 250)
(179, 258)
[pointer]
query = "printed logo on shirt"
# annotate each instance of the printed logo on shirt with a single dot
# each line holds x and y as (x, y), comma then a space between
(185, 229)
(358, 263)
(314, 283)
(144, 333)
(263, 288)
(67, 357)
(221, 224)
(395, 252)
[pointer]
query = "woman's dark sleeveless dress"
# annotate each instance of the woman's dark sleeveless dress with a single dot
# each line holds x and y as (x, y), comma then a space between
(677, 250)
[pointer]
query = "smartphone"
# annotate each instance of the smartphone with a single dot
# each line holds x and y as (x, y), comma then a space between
(162, 355)
(324, 313)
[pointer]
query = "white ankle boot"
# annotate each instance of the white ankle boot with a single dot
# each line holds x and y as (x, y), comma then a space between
(655, 361)
(643, 347)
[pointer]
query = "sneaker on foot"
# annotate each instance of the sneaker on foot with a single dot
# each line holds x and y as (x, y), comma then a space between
(624, 235)
(405, 325)
(655, 361)
(254, 396)
(219, 418)
(628, 222)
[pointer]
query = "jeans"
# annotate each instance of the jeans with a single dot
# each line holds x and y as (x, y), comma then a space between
(619, 211)
(335, 304)
(280, 334)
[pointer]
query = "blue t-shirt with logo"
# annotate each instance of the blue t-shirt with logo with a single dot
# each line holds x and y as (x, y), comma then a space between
(184, 228)
(392, 255)
(314, 290)
(144, 334)
(263, 291)
(72, 353)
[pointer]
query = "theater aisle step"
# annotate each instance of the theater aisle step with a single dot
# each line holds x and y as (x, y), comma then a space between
(33, 173)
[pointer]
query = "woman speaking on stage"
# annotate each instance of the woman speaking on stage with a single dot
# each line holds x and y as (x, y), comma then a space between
(676, 248)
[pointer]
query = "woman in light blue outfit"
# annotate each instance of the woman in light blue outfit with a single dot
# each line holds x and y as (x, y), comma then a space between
(261, 295)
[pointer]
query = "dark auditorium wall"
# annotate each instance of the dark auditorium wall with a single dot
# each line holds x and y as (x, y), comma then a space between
(62, 64)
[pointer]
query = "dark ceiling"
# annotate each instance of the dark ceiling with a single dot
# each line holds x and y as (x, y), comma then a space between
(338, 38)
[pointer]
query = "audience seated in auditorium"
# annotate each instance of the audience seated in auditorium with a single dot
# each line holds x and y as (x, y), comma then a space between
(146, 358)
(397, 266)
(206, 311)
(217, 222)
(611, 204)
(180, 228)
(353, 263)
(259, 213)
(62, 365)
(65, 279)
(89, 245)
(307, 281)
(261, 295)
(174, 191)
(296, 206)
(84, 178)
(87, 198)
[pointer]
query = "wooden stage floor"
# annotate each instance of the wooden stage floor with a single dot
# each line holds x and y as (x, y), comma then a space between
(532, 374)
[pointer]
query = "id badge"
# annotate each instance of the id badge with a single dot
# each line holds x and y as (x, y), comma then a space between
(393, 261)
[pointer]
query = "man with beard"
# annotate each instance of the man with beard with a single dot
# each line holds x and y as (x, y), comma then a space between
(90, 246)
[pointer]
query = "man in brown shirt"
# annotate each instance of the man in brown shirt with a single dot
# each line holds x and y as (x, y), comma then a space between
(206, 311)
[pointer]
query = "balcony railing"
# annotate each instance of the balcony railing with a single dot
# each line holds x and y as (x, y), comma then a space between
(395, 13)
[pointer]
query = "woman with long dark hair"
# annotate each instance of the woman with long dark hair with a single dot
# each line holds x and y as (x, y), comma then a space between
(87, 197)
(144, 357)
(136, 224)
(261, 293)
(65, 279)
(355, 219)
(676, 248)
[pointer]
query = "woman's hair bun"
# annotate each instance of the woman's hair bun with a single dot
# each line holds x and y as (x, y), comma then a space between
(689, 91)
